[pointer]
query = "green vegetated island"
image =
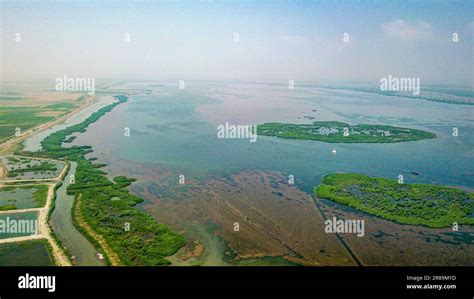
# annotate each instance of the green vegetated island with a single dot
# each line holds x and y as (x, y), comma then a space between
(416, 204)
(108, 207)
(339, 132)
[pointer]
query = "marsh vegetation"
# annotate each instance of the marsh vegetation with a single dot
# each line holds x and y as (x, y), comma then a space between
(416, 204)
(131, 234)
(339, 132)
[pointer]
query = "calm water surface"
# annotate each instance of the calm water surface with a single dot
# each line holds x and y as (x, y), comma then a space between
(177, 128)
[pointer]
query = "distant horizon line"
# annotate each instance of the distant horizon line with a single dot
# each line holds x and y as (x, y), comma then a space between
(247, 81)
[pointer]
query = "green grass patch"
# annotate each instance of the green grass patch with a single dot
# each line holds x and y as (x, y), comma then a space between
(25, 118)
(8, 207)
(61, 106)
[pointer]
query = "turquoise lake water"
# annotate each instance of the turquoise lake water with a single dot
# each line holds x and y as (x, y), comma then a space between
(178, 129)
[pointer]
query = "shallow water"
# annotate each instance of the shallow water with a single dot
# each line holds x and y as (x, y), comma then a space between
(33, 143)
(27, 230)
(71, 238)
(178, 129)
(21, 198)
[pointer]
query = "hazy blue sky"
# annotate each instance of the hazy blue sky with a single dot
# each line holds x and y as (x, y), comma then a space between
(278, 40)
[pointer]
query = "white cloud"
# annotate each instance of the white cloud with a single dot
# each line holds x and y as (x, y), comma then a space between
(409, 30)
